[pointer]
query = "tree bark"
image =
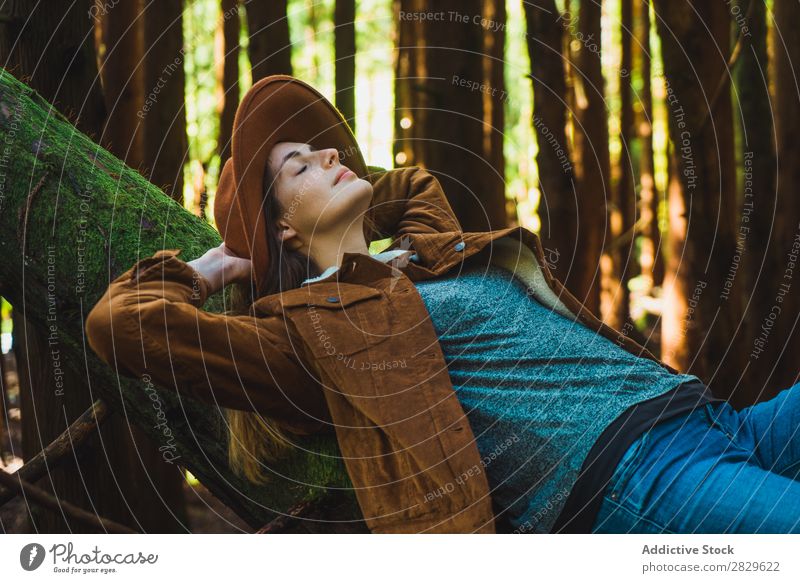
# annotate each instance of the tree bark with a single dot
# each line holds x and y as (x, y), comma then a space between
(226, 50)
(494, 42)
(82, 217)
(52, 49)
(57, 55)
(102, 478)
(558, 204)
(269, 48)
(703, 302)
(591, 140)
(761, 264)
(163, 115)
(345, 54)
(651, 259)
(5, 430)
(121, 73)
(448, 107)
(407, 63)
(786, 223)
(618, 260)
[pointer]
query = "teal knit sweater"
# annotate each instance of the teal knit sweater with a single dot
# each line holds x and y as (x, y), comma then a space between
(537, 388)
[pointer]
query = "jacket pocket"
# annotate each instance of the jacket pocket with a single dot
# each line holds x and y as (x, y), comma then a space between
(339, 319)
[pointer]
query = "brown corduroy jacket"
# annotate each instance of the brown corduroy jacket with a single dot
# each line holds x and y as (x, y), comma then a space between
(355, 350)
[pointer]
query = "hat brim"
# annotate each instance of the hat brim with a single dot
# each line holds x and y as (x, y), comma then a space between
(278, 108)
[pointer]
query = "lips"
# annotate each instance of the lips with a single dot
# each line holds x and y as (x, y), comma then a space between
(344, 170)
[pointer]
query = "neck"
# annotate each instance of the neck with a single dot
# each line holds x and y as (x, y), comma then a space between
(329, 249)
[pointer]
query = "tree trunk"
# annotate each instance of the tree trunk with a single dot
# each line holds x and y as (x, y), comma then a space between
(651, 258)
(557, 207)
(52, 49)
(123, 82)
(108, 217)
(226, 50)
(199, 189)
(270, 48)
(448, 107)
(618, 261)
(163, 115)
(5, 429)
(50, 402)
(567, 22)
(494, 43)
(104, 478)
(785, 337)
(407, 63)
(591, 140)
(702, 307)
(345, 54)
(761, 264)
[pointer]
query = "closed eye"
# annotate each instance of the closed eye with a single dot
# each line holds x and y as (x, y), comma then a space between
(303, 169)
(293, 154)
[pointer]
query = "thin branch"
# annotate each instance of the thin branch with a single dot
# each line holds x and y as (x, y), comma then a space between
(60, 449)
(281, 523)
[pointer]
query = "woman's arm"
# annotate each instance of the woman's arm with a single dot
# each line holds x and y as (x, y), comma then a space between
(409, 200)
(149, 321)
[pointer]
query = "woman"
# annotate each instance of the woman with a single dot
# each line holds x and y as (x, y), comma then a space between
(468, 390)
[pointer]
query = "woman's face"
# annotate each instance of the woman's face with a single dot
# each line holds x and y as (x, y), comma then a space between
(315, 197)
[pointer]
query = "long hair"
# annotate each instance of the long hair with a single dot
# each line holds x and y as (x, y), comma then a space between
(254, 438)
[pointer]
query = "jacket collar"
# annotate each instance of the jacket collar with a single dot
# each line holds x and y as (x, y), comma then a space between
(383, 257)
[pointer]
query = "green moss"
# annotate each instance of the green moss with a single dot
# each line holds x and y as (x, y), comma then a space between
(74, 217)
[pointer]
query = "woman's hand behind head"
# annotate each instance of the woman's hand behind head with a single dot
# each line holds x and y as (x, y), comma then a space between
(219, 266)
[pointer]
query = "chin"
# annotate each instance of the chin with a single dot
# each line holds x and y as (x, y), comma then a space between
(359, 191)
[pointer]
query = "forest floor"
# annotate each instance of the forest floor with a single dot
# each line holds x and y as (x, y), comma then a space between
(206, 514)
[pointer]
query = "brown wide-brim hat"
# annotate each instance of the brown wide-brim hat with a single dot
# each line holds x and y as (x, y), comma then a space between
(278, 108)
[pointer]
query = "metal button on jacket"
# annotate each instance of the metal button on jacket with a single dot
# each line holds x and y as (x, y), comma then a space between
(459, 246)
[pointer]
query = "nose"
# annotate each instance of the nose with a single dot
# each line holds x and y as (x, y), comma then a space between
(330, 154)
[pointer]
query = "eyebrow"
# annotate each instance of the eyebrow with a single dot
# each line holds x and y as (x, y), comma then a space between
(292, 154)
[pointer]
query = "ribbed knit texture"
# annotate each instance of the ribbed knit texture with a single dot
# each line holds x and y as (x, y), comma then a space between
(538, 388)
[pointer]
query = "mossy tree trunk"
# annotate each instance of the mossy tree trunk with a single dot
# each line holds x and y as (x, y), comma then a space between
(72, 218)
(53, 51)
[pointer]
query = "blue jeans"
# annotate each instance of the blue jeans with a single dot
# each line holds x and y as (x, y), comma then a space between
(712, 470)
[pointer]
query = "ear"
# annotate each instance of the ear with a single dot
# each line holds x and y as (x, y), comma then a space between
(288, 235)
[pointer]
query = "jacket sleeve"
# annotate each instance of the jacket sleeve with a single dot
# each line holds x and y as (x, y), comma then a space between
(409, 200)
(149, 322)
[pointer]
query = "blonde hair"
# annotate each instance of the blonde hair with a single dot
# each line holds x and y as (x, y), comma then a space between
(252, 438)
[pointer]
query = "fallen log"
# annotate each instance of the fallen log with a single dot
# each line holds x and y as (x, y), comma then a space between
(72, 218)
